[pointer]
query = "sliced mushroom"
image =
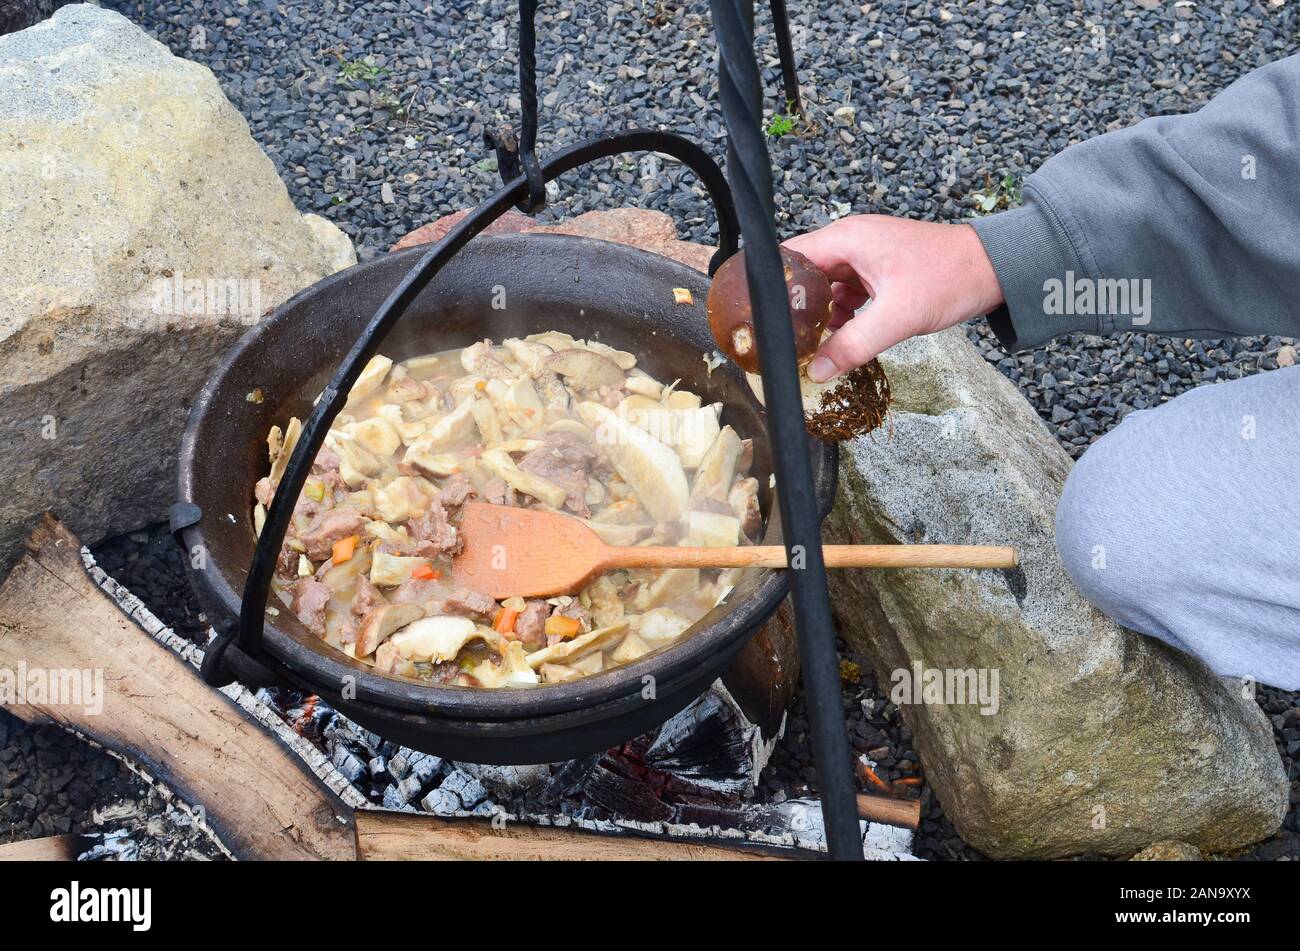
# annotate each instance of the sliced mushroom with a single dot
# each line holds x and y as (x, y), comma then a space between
(382, 622)
(387, 533)
(371, 378)
(619, 535)
(712, 530)
(377, 436)
(558, 674)
(651, 469)
(466, 388)
(519, 401)
(623, 359)
(569, 426)
(554, 394)
(486, 418)
(407, 389)
(554, 339)
(286, 446)
(517, 445)
(342, 576)
(602, 599)
(717, 468)
(454, 428)
(480, 360)
(637, 403)
(501, 465)
(682, 399)
(577, 647)
(644, 385)
(583, 369)
(671, 583)
(661, 626)
(435, 463)
(437, 639)
(513, 671)
(426, 364)
(388, 571)
(746, 459)
(400, 499)
(355, 464)
(624, 512)
(631, 648)
(689, 431)
(526, 352)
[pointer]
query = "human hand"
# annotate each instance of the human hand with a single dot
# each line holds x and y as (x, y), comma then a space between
(920, 277)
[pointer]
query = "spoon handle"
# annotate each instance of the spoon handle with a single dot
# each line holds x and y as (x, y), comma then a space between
(835, 556)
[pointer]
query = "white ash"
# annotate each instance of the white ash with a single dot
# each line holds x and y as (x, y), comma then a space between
(364, 769)
(146, 830)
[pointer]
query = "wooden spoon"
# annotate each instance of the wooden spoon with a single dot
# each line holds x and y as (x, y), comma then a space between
(511, 552)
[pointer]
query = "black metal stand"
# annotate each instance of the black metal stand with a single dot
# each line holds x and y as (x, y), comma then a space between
(740, 90)
(239, 652)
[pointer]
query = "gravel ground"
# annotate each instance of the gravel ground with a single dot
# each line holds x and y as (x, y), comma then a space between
(374, 112)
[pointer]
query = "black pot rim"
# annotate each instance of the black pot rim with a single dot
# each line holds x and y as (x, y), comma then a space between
(606, 691)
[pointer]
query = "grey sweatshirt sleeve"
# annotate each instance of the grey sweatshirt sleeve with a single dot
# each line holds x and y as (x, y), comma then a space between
(1180, 225)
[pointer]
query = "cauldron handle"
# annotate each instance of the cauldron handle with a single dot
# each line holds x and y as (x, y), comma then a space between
(238, 645)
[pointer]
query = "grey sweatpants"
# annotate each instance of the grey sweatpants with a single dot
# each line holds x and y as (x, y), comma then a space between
(1183, 523)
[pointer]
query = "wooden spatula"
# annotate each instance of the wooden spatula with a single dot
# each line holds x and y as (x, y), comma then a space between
(510, 552)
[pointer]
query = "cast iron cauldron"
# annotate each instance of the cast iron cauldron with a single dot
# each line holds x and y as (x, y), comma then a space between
(610, 292)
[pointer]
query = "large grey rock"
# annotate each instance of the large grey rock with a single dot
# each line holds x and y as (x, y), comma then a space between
(1102, 741)
(144, 230)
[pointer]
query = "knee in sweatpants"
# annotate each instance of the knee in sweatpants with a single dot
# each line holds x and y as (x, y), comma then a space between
(1113, 550)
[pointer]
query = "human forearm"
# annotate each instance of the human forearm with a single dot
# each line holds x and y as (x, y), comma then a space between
(1179, 225)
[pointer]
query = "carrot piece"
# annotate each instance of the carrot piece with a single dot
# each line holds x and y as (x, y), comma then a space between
(505, 621)
(559, 626)
(908, 781)
(426, 573)
(345, 548)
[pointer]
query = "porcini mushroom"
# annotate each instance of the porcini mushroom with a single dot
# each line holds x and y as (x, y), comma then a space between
(731, 314)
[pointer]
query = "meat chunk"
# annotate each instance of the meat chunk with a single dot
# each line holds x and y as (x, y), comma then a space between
(310, 598)
(575, 610)
(564, 458)
(433, 528)
(366, 598)
(531, 623)
(286, 566)
(470, 604)
(455, 490)
(743, 499)
(328, 528)
(264, 491)
(416, 591)
(326, 460)
(498, 493)
(307, 508)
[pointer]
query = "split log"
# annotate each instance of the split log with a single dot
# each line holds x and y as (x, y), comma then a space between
(259, 801)
(392, 836)
(904, 813)
(263, 792)
(53, 848)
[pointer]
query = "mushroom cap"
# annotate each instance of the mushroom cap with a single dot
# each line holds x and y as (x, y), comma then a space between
(731, 313)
